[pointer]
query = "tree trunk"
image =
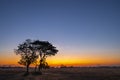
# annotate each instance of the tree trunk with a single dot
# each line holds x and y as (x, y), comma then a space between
(35, 68)
(40, 65)
(27, 68)
(40, 54)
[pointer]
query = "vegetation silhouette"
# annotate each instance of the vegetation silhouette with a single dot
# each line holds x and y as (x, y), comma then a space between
(45, 49)
(28, 51)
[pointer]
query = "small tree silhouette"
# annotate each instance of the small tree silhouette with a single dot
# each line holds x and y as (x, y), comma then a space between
(45, 49)
(27, 53)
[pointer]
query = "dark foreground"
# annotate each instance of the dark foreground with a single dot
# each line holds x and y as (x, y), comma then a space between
(65, 74)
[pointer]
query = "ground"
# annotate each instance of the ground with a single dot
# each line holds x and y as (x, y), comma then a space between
(65, 74)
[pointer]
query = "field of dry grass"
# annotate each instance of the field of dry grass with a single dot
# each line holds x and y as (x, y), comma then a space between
(65, 74)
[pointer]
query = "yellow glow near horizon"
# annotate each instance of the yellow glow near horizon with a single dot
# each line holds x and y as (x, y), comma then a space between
(9, 58)
(68, 60)
(83, 60)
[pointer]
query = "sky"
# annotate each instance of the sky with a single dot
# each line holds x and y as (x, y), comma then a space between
(86, 32)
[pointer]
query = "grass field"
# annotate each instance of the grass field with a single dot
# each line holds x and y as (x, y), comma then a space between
(65, 74)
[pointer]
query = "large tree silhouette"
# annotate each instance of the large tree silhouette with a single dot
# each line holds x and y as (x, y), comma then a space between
(45, 49)
(27, 53)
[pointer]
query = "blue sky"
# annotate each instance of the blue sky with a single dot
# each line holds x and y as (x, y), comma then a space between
(72, 24)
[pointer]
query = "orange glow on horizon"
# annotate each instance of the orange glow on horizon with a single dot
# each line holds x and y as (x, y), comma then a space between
(84, 63)
(71, 60)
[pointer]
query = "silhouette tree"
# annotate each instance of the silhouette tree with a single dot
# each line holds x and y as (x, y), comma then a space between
(36, 64)
(45, 49)
(27, 53)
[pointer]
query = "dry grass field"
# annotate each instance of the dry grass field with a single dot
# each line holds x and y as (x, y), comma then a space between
(65, 74)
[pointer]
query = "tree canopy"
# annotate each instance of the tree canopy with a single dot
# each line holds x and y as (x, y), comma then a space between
(45, 49)
(29, 49)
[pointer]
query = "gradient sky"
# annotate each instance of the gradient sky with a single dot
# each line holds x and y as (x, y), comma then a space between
(86, 32)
